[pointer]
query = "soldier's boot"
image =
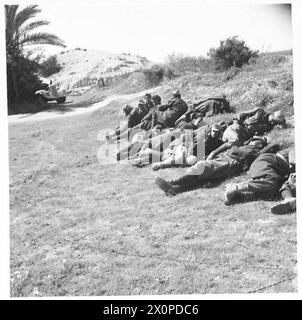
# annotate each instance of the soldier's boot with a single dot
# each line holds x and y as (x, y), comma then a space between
(185, 183)
(286, 206)
(234, 189)
(167, 187)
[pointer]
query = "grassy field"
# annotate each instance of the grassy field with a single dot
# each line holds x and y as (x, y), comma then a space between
(82, 228)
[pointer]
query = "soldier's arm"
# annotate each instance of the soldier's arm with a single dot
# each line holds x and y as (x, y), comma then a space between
(213, 154)
(249, 113)
(163, 107)
(184, 117)
(196, 104)
(270, 148)
(148, 116)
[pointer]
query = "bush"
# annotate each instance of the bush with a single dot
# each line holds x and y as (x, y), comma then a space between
(154, 75)
(157, 73)
(50, 66)
(169, 73)
(231, 53)
(181, 64)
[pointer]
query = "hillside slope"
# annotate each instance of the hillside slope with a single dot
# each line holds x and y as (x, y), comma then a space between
(81, 227)
(82, 68)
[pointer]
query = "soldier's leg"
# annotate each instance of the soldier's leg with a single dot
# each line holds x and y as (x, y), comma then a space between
(177, 186)
(199, 173)
(288, 194)
(253, 186)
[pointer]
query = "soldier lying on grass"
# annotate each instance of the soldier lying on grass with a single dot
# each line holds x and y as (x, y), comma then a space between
(267, 174)
(227, 164)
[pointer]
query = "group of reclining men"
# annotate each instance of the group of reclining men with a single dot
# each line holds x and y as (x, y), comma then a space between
(175, 134)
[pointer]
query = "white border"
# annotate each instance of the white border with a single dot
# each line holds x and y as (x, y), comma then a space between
(4, 204)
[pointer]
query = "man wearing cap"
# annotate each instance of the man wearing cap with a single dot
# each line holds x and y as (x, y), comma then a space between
(169, 113)
(267, 173)
(134, 118)
(287, 191)
(227, 164)
(260, 122)
(150, 120)
(233, 135)
(147, 123)
(148, 101)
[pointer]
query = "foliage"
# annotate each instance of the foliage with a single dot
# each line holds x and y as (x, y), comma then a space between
(182, 64)
(157, 73)
(22, 77)
(231, 52)
(50, 66)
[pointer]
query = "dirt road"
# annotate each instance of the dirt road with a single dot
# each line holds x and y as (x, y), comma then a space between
(54, 113)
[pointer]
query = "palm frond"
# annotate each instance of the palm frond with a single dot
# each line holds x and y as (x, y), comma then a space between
(42, 38)
(33, 25)
(25, 14)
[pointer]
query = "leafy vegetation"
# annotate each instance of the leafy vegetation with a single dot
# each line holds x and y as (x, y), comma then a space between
(50, 66)
(182, 64)
(157, 73)
(231, 52)
(22, 79)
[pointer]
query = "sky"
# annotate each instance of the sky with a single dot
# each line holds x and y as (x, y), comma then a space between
(154, 29)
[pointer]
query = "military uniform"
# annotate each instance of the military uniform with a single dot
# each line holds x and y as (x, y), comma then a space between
(210, 143)
(268, 172)
(168, 114)
(256, 121)
(136, 115)
(134, 118)
(212, 106)
(227, 164)
(192, 119)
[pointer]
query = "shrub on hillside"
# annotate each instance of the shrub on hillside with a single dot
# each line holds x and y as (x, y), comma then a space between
(156, 74)
(50, 66)
(181, 64)
(231, 53)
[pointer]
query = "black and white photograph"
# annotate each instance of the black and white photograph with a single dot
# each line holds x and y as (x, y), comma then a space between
(151, 148)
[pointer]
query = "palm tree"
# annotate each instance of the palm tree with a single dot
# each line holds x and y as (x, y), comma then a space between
(20, 33)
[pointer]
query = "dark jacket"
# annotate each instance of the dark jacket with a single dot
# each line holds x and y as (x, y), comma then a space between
(211, 106)
(169, 113)
(269, 165)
